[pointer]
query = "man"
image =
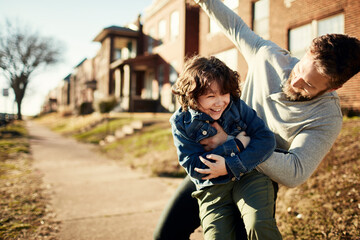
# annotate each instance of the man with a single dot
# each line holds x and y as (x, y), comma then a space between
(295, 98)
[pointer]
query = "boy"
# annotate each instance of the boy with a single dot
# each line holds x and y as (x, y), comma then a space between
(209, 91)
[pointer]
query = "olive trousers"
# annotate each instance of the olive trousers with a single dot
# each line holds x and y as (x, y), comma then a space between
(253, 195)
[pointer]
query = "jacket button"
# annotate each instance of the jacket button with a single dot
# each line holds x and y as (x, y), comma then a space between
(204, 132)
(232, 154)
(233, 179)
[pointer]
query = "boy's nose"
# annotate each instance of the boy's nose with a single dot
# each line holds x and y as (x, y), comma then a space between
(219, 101)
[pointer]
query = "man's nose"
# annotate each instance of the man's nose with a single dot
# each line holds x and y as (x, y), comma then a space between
(297, 82)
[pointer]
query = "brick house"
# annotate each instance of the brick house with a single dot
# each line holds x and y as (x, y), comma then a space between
(171, 29)
(82, 86)
(63, 95)
(117, 45)
(138, 66)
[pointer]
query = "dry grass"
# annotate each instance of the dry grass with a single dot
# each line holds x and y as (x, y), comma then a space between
(327, 206)
(23, 202)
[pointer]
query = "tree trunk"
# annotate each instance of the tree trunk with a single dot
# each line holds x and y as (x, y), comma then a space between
(19, 110)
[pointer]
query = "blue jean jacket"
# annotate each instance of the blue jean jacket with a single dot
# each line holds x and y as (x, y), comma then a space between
(190, 127)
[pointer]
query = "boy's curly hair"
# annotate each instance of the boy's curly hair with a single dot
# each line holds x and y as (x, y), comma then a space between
(197, 75)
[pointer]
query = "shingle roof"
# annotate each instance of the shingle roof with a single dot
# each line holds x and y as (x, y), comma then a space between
(116, 30)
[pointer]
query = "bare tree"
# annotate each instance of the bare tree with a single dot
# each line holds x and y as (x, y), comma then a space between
(23, 51)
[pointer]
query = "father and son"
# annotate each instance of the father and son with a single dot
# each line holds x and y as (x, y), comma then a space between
(237, 145)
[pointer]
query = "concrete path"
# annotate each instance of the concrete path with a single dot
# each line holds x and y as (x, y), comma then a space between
(94, 197)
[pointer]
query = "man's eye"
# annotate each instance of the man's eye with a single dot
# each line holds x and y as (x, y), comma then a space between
(309, 85)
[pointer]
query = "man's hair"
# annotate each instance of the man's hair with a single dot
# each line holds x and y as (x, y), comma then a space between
(197, 75)
(337, 57)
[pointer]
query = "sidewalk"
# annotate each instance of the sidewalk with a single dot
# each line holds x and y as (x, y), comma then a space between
(94, 197)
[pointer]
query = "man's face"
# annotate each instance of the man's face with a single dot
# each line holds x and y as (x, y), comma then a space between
(305, 82)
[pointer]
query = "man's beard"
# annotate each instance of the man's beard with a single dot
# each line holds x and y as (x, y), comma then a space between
(290, 93)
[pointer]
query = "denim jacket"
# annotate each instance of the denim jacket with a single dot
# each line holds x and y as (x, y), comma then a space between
(190, 127)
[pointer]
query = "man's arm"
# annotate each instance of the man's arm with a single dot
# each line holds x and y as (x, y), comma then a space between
(293, 167)
(306, 152)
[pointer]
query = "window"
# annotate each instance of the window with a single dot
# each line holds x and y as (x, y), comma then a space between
(117, 53)
(261, 18)
(173, 75)
(151, 40)
(161, 75)
(232, 4)
(300, 38)
(334, 24)
(214, 28)
(161, 31)
(229, 57)
(148, 88)
(174, 25)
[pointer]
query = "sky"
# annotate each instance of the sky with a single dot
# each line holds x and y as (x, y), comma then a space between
(75, 23)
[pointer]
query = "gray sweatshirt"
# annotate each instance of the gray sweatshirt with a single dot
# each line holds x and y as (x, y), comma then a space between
(305, 129)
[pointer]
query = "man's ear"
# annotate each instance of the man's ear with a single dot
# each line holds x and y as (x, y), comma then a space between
(333, 89)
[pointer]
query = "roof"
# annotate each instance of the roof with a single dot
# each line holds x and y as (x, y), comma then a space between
(81, 62)
(67, 78)
(115, 30)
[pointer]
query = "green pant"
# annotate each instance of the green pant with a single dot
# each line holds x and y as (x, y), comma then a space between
(252, 195)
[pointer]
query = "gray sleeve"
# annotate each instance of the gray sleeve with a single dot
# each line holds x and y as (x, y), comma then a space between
(306, 152)
(233, 27)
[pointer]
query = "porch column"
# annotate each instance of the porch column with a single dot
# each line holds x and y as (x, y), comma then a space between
(117, 84)
(125, 103)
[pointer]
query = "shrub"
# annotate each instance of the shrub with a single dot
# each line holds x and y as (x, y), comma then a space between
(86, 108)
(106, 106)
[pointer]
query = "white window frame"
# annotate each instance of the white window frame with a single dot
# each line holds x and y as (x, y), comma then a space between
(162, 30)
(151, 37)
(261, 18)
(173, 75)
(304, 34)
(174, 25)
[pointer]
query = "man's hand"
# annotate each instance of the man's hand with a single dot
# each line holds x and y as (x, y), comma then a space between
(216, 169)
(214, 141)
(244, 139)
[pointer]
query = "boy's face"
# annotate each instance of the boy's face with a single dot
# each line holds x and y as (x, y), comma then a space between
(213, 103)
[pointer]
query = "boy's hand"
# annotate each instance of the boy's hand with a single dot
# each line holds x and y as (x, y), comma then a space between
(214, 141)
(216, 169)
